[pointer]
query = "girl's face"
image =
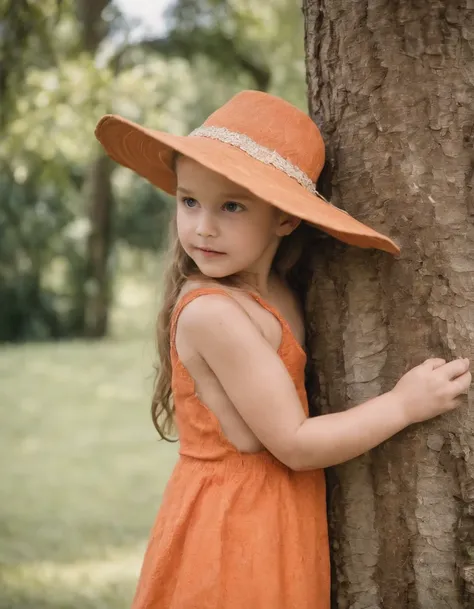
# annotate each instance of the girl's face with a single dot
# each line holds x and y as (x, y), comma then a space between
(224, 228)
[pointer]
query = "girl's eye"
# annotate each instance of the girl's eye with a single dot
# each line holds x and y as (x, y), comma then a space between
(233, 207)
(188, 202)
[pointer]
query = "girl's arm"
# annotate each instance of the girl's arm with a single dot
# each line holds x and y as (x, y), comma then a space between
(258, 384)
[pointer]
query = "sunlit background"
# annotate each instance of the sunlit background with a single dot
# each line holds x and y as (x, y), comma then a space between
(80, 269)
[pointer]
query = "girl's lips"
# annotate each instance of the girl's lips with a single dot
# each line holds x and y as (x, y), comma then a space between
(210, 252)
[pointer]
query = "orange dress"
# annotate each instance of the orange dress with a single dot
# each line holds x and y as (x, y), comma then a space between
(235, 530)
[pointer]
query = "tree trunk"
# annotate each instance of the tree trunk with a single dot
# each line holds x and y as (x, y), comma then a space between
(99, 197)
(101, 210)
(391, 85)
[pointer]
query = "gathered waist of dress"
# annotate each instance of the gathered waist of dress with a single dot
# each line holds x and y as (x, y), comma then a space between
(235, 459)
(236, 462)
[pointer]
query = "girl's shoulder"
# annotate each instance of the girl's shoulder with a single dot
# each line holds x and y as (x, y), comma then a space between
(266, 314)
(282, 297)
(201, 307)
(202, 287)
(198, 284)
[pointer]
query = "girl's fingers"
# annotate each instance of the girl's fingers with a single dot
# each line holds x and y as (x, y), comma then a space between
(455, 368)
(462, 383)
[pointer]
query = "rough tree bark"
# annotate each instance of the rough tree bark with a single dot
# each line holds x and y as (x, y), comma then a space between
(391, 85)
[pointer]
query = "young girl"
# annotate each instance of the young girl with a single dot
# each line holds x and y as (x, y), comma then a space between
(243, 520)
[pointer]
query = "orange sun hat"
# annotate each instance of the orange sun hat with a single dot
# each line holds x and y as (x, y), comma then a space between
(256, 140)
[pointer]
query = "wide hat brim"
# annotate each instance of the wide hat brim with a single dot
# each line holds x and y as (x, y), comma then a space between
(149, 153)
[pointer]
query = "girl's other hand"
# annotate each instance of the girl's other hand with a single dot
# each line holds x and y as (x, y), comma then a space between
(431, 388)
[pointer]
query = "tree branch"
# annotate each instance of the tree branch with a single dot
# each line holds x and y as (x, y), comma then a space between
(214, 44)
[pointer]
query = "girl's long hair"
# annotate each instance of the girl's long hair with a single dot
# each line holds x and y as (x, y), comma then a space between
(288, 263)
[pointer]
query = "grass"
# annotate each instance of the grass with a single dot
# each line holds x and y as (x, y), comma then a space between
(82, 469)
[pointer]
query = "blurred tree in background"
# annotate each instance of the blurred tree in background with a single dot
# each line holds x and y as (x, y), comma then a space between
(66, 211)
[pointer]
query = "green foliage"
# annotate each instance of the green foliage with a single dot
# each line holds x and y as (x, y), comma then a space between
(265, 40)
(33, 218)
(29, 37)
(58, 82)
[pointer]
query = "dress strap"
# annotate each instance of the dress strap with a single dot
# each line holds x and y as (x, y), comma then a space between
(285, 326)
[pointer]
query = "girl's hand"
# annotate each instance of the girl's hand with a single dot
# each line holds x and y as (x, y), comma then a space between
(431, 388)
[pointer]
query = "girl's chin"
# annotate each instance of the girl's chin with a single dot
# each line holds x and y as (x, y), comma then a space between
(213, 273)
(212, 268)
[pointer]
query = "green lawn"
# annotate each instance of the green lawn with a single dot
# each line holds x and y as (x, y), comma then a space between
(82, 468)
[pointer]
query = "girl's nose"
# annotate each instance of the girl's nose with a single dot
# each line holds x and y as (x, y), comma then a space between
(206, 226)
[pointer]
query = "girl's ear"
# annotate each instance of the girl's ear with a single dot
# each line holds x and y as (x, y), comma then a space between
(287, 224)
